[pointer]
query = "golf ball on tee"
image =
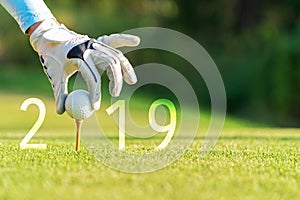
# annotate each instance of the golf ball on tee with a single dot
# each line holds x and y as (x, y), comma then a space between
(78, 105)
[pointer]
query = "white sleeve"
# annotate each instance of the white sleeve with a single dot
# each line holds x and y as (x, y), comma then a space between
(27, 12)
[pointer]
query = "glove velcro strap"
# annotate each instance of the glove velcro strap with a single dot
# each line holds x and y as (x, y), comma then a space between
(41, 29)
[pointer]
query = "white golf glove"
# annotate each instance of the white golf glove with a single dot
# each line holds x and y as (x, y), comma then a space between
(63, 52)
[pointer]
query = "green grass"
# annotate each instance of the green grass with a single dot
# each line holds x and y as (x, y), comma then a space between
(248, 162)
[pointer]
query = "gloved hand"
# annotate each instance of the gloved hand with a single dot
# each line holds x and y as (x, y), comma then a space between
(63, 52)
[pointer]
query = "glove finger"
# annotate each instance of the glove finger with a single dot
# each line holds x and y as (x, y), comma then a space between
(112, 83)
(60, 92)
(120, 40)
(58, 80)
(128, 71)
(109, 56)
(92, 78)
(60, 89)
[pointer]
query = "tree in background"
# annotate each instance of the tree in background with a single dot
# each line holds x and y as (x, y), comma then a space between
(254, 43)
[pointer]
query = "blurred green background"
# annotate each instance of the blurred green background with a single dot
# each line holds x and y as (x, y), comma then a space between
(255, 44)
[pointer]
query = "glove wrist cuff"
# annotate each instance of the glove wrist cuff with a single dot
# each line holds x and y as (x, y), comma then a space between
(41, 29)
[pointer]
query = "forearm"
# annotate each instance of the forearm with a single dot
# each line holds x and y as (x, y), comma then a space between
(28, 13)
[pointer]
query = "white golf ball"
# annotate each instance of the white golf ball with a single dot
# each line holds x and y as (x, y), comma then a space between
(78, 105)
